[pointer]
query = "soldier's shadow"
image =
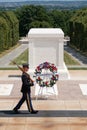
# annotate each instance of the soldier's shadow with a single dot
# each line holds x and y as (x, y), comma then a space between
(45, 113)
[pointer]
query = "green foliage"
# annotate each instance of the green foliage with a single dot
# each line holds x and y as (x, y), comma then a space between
(38, 24)
(78, 30)
(28, 17)
(38, 17)
(58, 19)
(9, 30)
(3, 34)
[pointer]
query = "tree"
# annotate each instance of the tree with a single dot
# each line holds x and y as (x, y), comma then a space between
(29, 14)
(38, 24)
(9, 30)
(4, 31)
(58, 19)
(78, 30)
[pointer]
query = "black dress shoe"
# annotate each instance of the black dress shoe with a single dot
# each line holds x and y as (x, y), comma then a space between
(15, 110)
(34, 112)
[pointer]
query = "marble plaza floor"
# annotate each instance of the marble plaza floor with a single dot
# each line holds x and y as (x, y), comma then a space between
(67, 111)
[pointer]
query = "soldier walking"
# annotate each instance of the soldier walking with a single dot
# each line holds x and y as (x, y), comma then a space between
(26, 91)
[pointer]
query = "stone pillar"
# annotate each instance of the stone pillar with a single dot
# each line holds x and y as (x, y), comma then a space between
(60, 54)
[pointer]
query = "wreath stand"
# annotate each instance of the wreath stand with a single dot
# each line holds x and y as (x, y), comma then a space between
(41, 91)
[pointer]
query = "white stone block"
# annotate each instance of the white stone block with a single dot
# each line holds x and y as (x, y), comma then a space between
(47, 44)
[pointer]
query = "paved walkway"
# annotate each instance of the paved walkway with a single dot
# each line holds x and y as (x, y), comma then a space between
(66, 112)
(49, 122)
(5, 60)
(67, 90)
(80, 58)
(78, 74)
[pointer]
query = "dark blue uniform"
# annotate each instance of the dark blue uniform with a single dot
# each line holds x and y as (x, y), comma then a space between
(26, 91)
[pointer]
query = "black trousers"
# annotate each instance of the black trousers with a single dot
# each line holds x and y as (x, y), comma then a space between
(25, 97)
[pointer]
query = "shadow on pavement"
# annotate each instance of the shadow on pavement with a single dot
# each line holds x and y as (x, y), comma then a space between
(13, 76)
(45, 113)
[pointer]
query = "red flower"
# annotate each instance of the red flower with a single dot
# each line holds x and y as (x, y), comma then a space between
(38, 68)
(57, 75)
(52, 64)
(39, 78)
(46, 82)
(54, 69)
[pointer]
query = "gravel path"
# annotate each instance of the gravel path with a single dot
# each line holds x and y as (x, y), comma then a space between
(5, 60)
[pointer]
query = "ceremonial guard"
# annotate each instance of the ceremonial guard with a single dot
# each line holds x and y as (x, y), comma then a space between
(27, 82)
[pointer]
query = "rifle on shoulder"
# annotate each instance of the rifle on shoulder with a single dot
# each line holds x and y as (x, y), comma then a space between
(23, 71)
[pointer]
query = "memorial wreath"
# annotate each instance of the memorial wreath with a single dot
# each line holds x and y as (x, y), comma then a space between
(46, 74)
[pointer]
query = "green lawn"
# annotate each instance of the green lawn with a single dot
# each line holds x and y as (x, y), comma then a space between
(69, 60)
(23, 58)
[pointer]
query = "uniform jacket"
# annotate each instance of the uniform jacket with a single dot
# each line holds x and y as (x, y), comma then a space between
(25, 84)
